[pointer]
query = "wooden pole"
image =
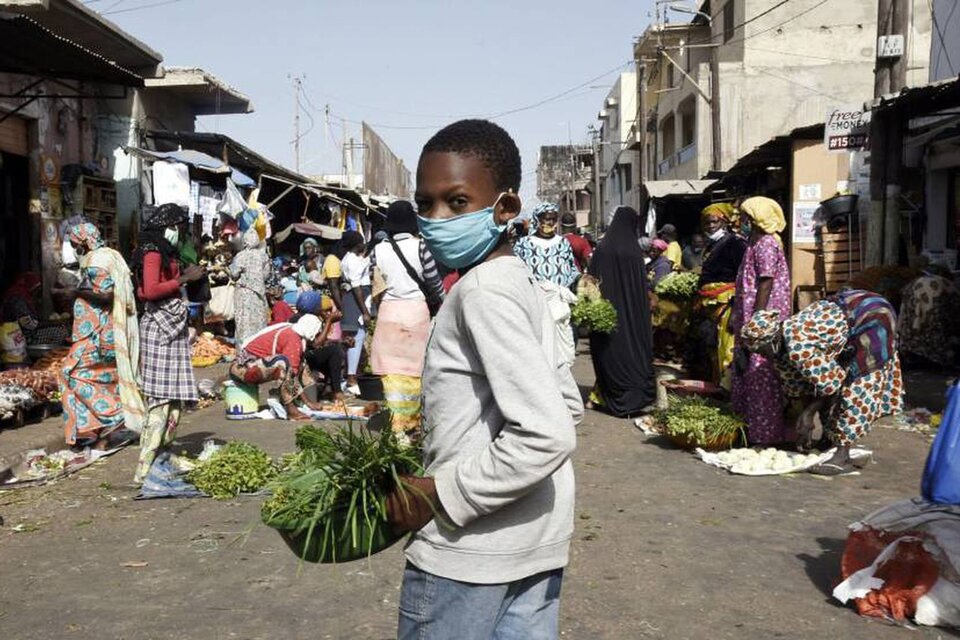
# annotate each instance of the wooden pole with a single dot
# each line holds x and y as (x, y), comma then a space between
(716, 139)
(878, 145)
(898, 80)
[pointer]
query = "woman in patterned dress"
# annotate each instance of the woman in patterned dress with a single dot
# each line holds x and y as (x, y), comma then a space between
(839, 356)
(97, 380)
(250, 269)
(165, 371)
(929, 323)
(763, 284)
(549, 256)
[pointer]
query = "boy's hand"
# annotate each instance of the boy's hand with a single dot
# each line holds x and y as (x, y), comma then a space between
(413, 506)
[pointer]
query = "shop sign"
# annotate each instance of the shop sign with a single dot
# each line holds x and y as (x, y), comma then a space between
(846, 129)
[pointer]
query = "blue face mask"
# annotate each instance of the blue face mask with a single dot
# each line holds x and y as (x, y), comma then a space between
(462, 240)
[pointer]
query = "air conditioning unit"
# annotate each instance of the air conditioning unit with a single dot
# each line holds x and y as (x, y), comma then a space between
(612, 102)
(602, 115)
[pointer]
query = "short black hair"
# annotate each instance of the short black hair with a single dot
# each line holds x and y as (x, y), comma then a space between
(485, 140)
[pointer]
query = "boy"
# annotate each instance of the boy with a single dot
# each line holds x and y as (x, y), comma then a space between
(499, 415)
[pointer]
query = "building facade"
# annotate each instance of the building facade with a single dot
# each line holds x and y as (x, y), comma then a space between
(564, 174)
(617, 129)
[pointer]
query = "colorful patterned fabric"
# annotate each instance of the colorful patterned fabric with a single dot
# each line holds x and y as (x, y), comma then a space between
(250, 269)
(756, 391)
(165, 369)
(402, 395)
(549, 259)
(816, 361)
(723, 210)
(89, 384)
(762, 330)
(126, 332)
(250, 369)
(715, 303)
(929, 321)
(873, 331)
(158, 431)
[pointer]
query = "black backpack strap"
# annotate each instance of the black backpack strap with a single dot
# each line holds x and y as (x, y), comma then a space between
(410, 270)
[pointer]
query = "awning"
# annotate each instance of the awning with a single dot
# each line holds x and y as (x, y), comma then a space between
(927, 99)
(665, 188)
(28, 48)
(198, 160)
(205, 93)
(773, 152)
(309, 229)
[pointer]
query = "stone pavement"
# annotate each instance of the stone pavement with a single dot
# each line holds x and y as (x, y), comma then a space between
(665, 547)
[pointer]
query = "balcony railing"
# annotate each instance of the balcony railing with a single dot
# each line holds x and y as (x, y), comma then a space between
(681, 157)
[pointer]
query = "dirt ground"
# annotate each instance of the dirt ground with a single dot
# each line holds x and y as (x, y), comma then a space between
(665, 547)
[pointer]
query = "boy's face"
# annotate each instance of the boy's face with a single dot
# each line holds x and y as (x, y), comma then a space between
(452, 184)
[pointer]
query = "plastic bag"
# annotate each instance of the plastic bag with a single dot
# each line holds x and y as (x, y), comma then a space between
(941, 475)
(13, 346)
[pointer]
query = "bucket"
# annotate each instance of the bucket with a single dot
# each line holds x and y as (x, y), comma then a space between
(241, 401)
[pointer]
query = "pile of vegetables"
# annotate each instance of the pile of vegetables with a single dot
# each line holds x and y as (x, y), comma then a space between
(51, 361)
(208, 350)
(42, 382)
(696, 421)
(768, 461)
(679, 285)
(238, 467)
(591, 310)
(329, 504)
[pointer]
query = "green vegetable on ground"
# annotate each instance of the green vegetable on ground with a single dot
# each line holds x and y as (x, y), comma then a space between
(700, 421)
(238, 467)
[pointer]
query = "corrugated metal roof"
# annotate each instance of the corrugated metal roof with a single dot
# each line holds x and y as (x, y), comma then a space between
(664, 188)
(27, 47)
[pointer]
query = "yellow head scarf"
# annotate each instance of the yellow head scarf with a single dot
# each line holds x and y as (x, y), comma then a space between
(765, 213)
(723, 210)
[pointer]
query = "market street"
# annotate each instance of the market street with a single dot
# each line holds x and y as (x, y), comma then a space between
(665, 547)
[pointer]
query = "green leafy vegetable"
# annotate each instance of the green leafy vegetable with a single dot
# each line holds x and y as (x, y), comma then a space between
(597, 315)
(238, 467)
(699, 420)
(678, 285)
(335, 489)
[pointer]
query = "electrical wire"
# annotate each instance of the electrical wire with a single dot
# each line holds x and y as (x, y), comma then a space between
(808, 56)
(799, 84)
(142, 6)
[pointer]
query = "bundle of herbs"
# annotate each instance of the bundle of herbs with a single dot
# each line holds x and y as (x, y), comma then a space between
(695, 421)
(237, 467)
(591, 309)
(329, 503)
(678, 286)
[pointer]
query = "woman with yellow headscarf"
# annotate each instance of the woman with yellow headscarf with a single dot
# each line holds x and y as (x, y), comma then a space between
(721, 262)
(763, 284)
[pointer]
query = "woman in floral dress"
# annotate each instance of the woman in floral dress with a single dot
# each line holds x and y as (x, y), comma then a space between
(97, 380)
(839, 356)
(250, 270)
(763, 284)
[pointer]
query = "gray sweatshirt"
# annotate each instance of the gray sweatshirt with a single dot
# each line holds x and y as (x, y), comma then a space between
(499, 416)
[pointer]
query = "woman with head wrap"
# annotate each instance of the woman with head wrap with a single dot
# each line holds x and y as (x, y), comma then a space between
(277, 353)
(548, 255)
(166, 374)
(839, 357)
(249, 270)
(763, 284)
(659, 266)
(403, 316)
(623, 360)
(97, 378)
(929, 323)
(711, 349)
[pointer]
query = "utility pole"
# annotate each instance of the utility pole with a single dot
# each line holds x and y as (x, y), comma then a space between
(297, 86)
(886, 135)
(716, 141)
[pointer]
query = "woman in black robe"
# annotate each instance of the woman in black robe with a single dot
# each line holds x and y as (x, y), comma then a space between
(623, 360)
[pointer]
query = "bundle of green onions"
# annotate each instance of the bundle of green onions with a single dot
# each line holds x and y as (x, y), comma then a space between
(329, 504)
(678, 285)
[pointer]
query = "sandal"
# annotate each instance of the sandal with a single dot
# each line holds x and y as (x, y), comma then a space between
(832, 469)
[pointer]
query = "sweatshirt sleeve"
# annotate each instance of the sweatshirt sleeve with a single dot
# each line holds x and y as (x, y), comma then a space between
(154, 287)
(538, 434)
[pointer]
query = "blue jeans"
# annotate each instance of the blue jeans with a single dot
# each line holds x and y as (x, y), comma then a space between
(435, 608)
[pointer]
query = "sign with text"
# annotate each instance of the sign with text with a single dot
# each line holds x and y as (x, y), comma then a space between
(846, 129)
(804, 227)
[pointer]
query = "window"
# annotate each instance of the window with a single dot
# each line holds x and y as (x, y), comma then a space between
(627, 169)
(688, 123)
(670, 83)
(728, 26)
(669, 137)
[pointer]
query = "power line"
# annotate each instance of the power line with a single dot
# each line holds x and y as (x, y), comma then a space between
(808, 56)
(138, 8)
(777, 26)
(799, 84)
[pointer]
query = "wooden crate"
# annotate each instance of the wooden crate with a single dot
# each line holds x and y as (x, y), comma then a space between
(100, 207)
(839, 257)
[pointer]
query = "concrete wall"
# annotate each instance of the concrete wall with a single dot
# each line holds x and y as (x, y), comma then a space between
(945, 41)
(616, 133)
